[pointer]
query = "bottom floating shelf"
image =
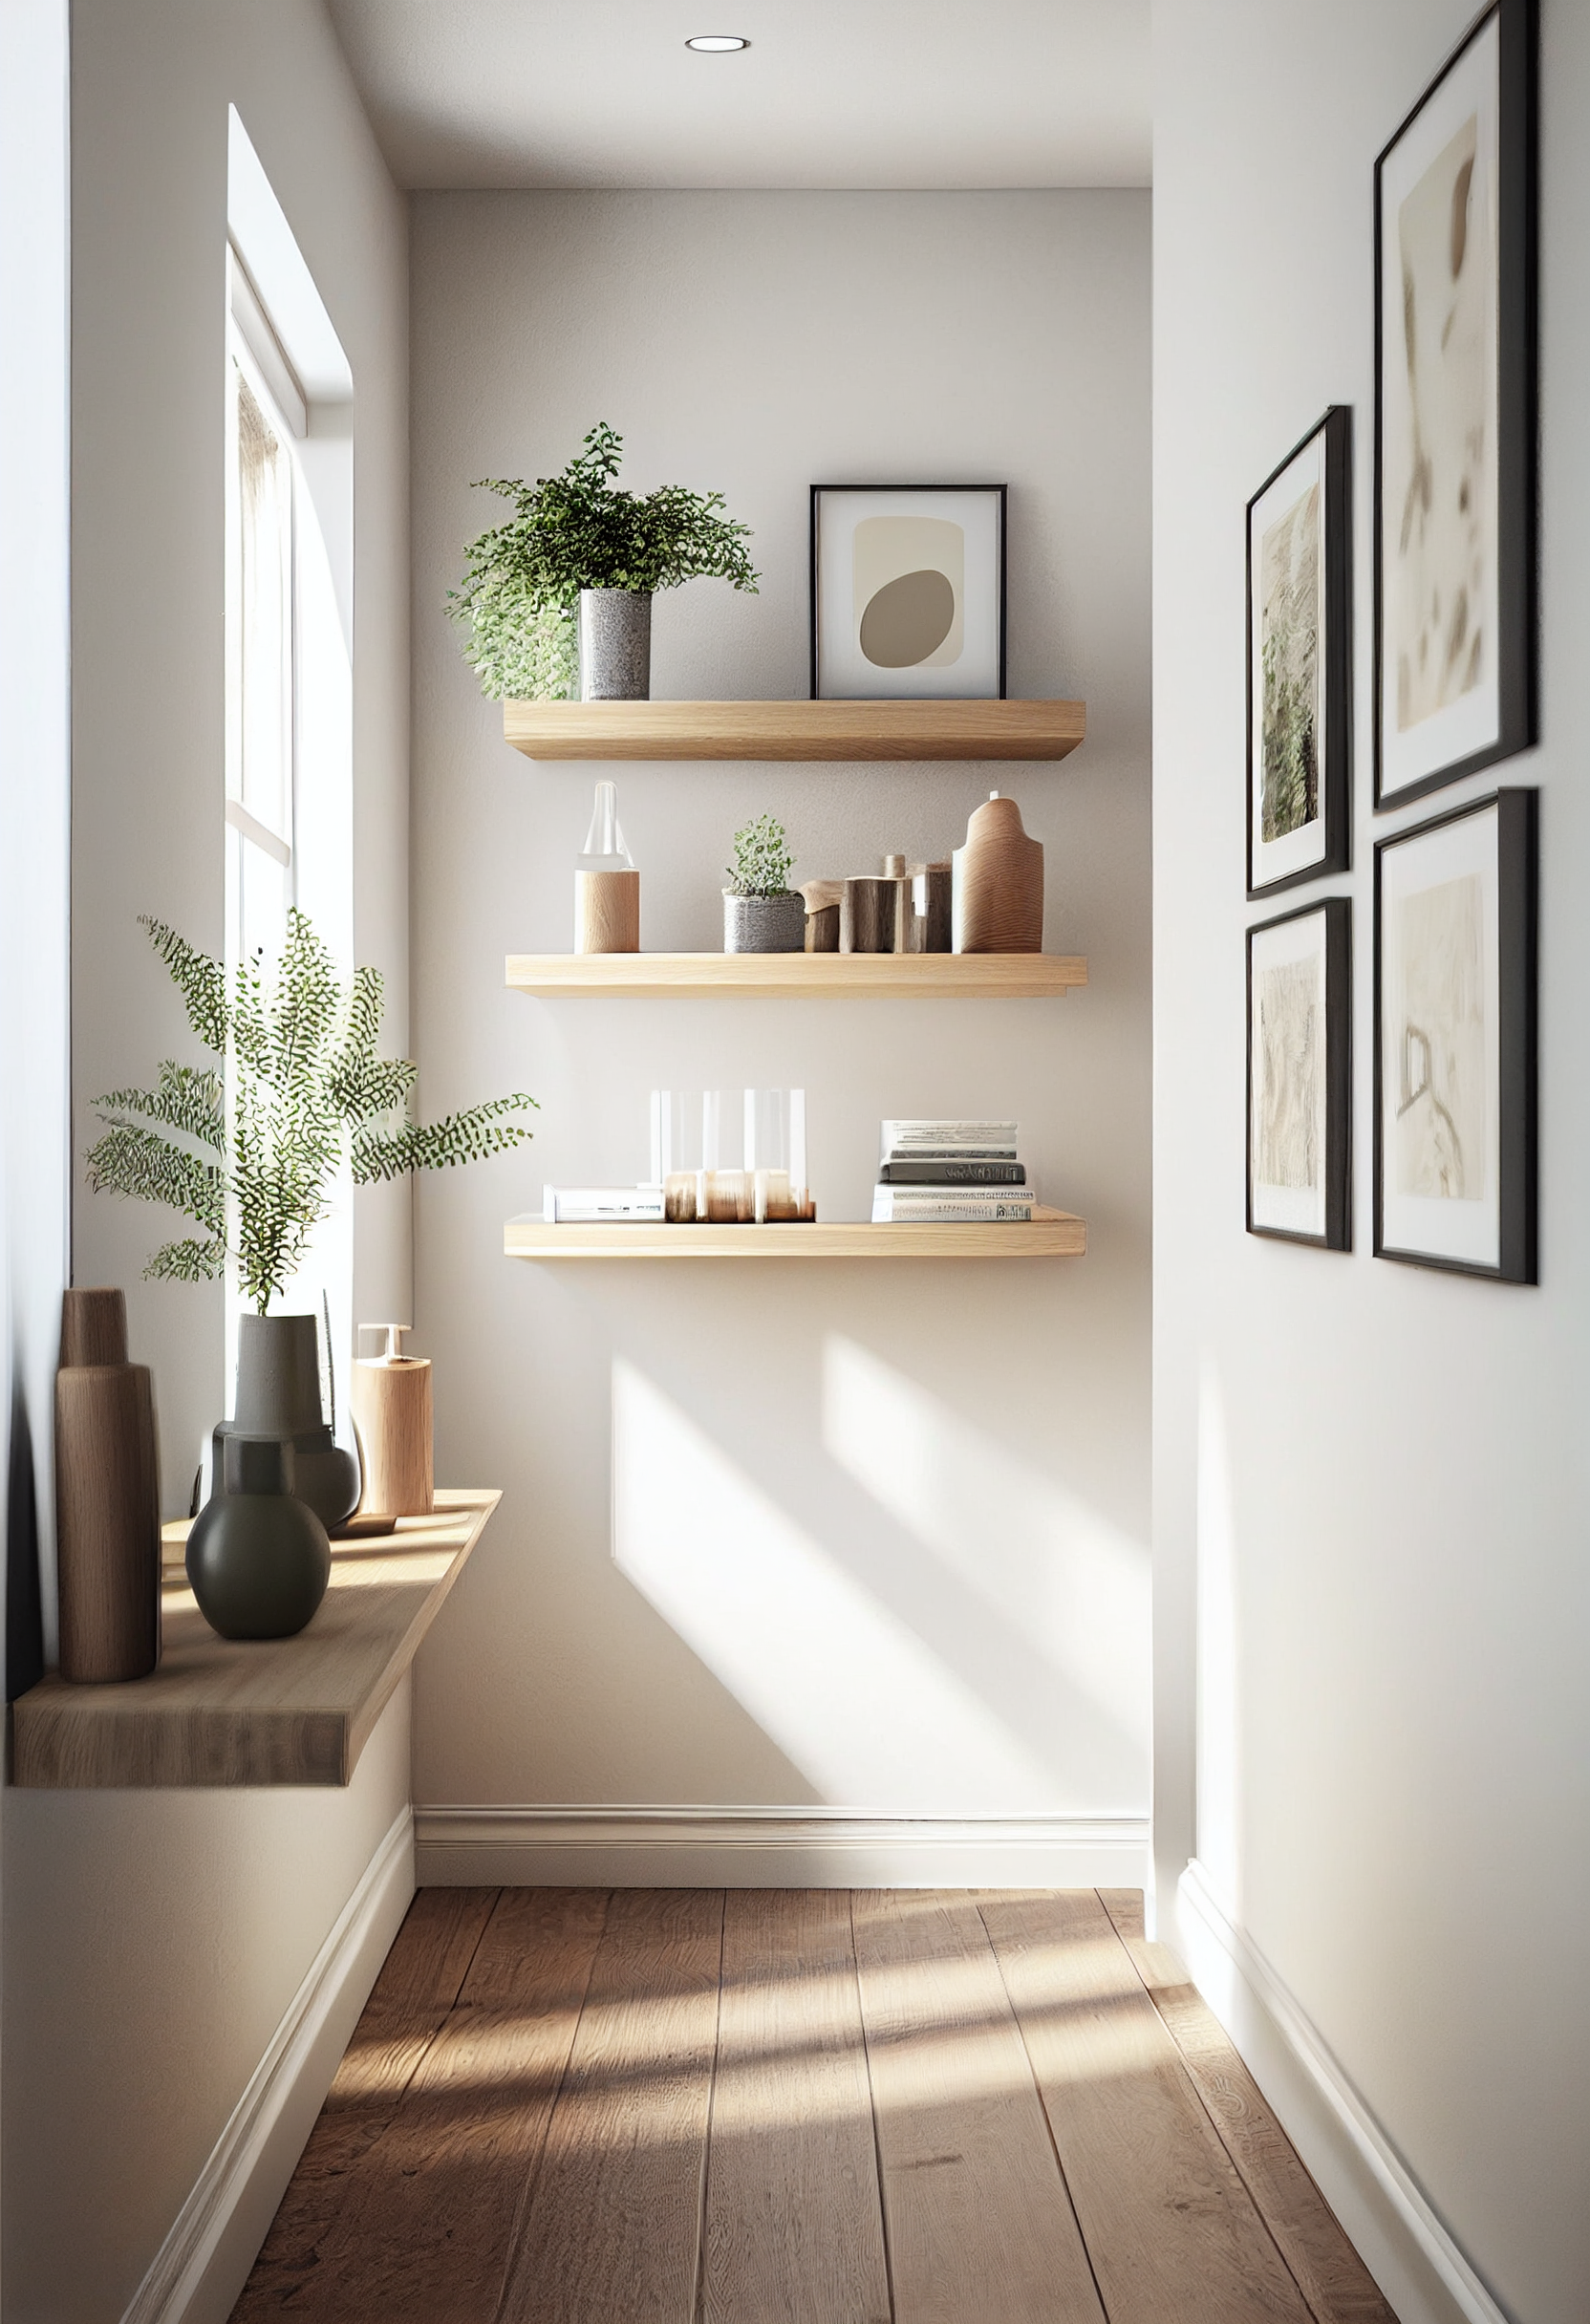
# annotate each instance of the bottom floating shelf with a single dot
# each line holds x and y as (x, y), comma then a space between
(1048, 1235)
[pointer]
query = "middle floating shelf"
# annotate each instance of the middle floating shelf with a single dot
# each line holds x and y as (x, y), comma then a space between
(920, 976)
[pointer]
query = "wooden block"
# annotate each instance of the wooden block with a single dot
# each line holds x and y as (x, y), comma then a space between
(606, 912)
(869, 915)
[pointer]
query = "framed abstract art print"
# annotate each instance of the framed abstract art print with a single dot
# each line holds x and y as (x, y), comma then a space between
(1455, 331)
(1299, 1075)
(1455, 1041)
(908, 592)
(1300, 661)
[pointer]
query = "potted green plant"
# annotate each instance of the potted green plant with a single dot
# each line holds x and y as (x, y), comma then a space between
(761, 912)
(247, 1148)
(559, 595)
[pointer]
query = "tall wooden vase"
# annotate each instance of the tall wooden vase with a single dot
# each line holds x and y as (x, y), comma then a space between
(998, 883)
(107, 1497)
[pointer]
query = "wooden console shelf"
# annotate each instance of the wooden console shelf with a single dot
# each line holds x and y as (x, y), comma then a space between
(1049, 1235)
(795, 730)
(220, 1712)
(922, 976)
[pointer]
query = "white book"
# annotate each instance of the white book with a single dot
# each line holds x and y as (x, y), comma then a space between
(894, 1205)
(950, 1134)
(583, 1205)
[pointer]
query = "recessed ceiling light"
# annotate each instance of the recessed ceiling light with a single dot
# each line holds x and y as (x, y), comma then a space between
(716, 44)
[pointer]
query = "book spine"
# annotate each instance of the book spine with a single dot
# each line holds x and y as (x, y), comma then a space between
(950, 1171)
(950, 1134)
(888, 1210)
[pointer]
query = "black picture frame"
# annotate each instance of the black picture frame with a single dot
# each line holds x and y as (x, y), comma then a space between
(1514, 1075)
(1334, 913)
(1328, 446)
(998, 494)
(1487, 731)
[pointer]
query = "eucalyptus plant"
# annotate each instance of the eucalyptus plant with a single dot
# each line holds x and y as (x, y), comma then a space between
(762, 859)
(519, 601)
(256, 1138)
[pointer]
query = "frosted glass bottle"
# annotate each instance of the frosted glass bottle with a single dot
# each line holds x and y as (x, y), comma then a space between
(607, 886)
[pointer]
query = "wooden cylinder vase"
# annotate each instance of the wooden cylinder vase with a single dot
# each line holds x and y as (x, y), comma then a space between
(823, 900)
(869, 915)
(606, 912)
(392, 1412)
(107, 1499)
(998, 883)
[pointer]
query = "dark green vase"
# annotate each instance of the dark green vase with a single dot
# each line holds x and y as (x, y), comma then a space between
(258, 1559)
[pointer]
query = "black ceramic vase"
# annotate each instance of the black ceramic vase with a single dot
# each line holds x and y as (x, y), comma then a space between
(258, 1559)
(278, 1394)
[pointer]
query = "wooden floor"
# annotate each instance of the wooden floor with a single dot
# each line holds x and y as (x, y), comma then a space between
(778, 2106)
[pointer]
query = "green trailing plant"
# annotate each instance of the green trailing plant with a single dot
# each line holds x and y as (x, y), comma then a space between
(248, 1147)
(762, 859)
(519, 601)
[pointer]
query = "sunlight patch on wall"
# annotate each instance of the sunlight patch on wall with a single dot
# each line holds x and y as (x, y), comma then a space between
(847, 1691)
(1074, 1586)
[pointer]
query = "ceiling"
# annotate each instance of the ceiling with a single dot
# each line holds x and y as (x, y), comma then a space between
(831, 92)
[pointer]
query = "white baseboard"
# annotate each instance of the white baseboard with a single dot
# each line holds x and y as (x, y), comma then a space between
(649, 1847)
(1403, 2241)
(202, 2265)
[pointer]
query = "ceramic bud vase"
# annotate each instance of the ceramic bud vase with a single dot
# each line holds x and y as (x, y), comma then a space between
(107, 1497)
(616, 645)
(278, 1394)
(258, 1559)
(998, 883)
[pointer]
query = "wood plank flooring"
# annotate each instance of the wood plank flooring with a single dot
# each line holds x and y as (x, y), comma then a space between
(780, 2106)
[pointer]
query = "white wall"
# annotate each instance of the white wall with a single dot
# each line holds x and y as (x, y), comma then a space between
(153, 1941)
(1382, 1469)
(867, 1536)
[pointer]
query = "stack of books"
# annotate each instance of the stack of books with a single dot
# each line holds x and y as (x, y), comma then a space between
(950, 1171)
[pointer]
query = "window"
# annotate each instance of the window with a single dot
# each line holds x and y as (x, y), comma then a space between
(287, 804)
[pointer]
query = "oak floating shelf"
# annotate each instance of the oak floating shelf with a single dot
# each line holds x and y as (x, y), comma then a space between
(1048, 1235)
(233, 1712)
(795, 730)
(920, 976)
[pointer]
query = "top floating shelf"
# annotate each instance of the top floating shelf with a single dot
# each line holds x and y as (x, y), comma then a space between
(795, 730)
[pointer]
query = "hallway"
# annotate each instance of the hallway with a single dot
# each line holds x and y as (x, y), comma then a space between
(577, 2106)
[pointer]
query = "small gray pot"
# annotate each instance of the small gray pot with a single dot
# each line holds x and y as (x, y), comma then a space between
(616, 645)
(278, 1394)
(764, 923)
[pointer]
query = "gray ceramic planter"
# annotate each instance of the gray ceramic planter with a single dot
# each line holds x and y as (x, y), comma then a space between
(616, 645)
(764, 923)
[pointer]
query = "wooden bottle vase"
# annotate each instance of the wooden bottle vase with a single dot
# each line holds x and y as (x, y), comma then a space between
(997, 900)
(606, 912)
(392, 1411)
(107, 1497)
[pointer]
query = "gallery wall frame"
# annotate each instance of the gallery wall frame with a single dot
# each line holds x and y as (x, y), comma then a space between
(908, 592)
(1455, 1082)
(1300, 661)
(1456, 332)
(1299, 1075)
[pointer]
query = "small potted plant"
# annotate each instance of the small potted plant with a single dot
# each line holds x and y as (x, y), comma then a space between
(558, 598)
(761, 912)
(247, 1146)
